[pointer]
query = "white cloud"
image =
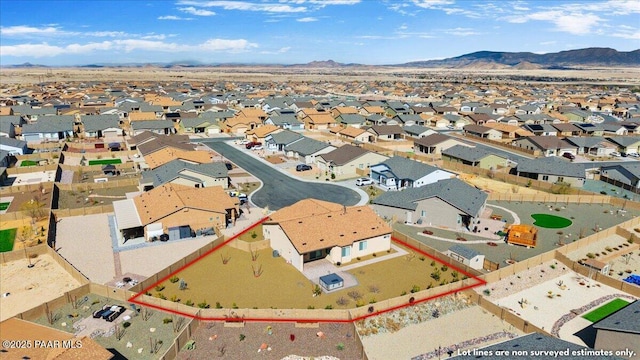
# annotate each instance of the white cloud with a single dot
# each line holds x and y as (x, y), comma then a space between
(334, 2)
(154, 37)
(574, 23)
(461, 32)
(431, 4)
(246, 6)
(279, 51)
(307, 19)
(22, 30)
(553, 42)
(126, 45)
(106, 34)
(173, 17)
(198, 12)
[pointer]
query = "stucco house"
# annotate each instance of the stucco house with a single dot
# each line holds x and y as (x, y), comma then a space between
(449, 203)
(13, 146)
(101, 126)
(314, 230)
(49, 128)
(398, 173)
(345, 160)
(482, 132)
(181, 172)
(552, 170)
(434, 144)
(473, 156)
(306, 149)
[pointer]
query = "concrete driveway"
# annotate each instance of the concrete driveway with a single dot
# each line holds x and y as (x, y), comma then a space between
(279, 189)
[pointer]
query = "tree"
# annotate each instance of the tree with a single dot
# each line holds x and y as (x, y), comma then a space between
(34, 208)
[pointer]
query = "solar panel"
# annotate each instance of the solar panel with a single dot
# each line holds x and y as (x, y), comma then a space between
(586, 125)
(535, 127)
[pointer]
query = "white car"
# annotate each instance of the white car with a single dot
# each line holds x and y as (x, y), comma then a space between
(364, 181)
(242, 142)
(257, 147)
(615, 153)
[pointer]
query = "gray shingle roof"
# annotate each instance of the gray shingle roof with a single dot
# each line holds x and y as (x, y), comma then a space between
(50, 124)
(552, 165)
(591, 141)
(467, 153)
(285, 119)
(306, 146)
(344, 154)
(415, 129)
(7, 141)
(626, 319)
(100, 122)
(172, 169)
(403, 168)
(285, 137)
(151, 124)
(6, 121)
(465, 252)
(386, 129)
(453, 191)
(624, 140)
(351, 119)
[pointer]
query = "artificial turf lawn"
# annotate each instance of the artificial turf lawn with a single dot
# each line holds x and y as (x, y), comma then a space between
(550, 221)
(4, 206)
(605, 310)
(7, 237)
(105, 162)
(28, 163)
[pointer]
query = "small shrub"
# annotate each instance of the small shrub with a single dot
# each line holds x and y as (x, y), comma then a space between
(328, 307)
(159, 288)
(175, 298)
(422, 258)
(358, 258)
(254, 235)
(218, 306)
(415, 289)
(342, 301)
(609, 249)
(355, 295)
(433, 263)
(630, 241)
(359, 303)
(203, 305)
(234, 306)
(167, 320)
(487, 292)
(403, 293)
(444, 268)
(374, 254)
(188, 303)
(174, 279)
(340, 346)
(590, 255)
(161, 296)
(311, 307)
(372, 301)
(126, 324)
(242, 337)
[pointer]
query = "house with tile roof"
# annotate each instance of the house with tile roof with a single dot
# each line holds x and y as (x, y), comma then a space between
(240, 124)
(449, 203)
(168, 154)
(184, 173)
(397, 173)
(320, 121)
(260, 133)
(474, 156)
(347, 159)
(552, 170)
(314, 230)
(307, 149)
(434, 144)
(508, 131)
(168, 207)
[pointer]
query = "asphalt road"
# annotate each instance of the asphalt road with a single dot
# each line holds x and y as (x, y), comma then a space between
(280, 190)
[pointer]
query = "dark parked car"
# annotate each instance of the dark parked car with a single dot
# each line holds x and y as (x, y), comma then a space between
(253, 144)
(303, 167)
(99, 313)
(569, 156)
(228, 165)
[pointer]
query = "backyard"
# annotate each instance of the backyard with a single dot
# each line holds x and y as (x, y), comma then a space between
(269, 282)
(105, 161)
(25, 163)
(585, 219)
(143, 329)
(605, 310)
(78, 199)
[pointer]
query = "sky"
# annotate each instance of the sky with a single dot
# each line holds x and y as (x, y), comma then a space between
(61, 33)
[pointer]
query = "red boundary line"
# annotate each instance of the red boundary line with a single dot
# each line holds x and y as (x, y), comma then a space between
(135, 300)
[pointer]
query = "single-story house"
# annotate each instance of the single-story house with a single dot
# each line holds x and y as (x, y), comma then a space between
(509, 131)
(311, 230)
(101, 126)
(306, 149)
(596, 146)
(386, 132)
(614, 129)
(473, 156)
(449, 203)
(620, 330)
(184, 173)
(285, 121)
(398, 173)
(49, 128)
(345, 160)
(434, 144)
(353, 120)
(552, 170)
(625, 175)
(409, 119)
(589, 129)
(417, 131)
(8, 125)
(321, 121)
(466, 256)
(172, 206)
(541, 129)
(355, 134)
(156, 126)
(547, 145)
(628, 144)
(482, 132)
(567, 129)
(260, 133)
(278, 141)
(199, 125)
(13, 146)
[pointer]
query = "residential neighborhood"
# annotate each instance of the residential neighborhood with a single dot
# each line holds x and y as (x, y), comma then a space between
(216, 211)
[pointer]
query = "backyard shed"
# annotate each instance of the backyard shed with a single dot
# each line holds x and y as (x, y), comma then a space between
(522, 234)
(331, 282)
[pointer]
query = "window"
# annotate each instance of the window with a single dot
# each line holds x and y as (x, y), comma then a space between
(560, 179)
(346, 251)
(545, 177)
(363, 245)
(423, 213)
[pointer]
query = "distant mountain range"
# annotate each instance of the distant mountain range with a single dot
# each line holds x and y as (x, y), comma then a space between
(570, 58)
(477, 60)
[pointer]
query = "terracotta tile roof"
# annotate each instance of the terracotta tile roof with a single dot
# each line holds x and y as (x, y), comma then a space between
(163, 156)
(374, 109)
(321, 118)
(263, 131)
(167, 199)
(17, 329)
(252, 113)
(313, 224)
(351, 131)
(242, 120)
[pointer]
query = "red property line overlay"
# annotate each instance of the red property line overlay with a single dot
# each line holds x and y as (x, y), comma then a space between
(135, 300)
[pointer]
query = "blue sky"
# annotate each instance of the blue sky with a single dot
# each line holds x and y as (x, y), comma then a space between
(300, 31)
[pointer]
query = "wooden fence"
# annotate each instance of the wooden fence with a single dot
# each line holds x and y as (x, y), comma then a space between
(100, 185)
(93, 210)
(31, 169)
(44, 249)
(501, 144)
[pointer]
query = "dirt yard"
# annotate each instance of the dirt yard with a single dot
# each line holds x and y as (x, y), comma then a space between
(497, 186)
(30, 287)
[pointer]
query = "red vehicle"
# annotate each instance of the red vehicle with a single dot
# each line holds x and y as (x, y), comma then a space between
(252, 144)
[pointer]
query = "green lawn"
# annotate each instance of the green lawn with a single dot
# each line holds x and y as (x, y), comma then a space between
(105, 161)
(605, 310)
(4, 205)
(28, 163)
(550, 221)
(7, 237)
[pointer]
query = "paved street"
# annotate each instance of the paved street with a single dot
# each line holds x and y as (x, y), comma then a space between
(280, 190)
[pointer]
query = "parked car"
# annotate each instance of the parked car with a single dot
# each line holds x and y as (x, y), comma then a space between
(242, 142)
(615, 153)
(623, 154)
(569, 156)
(228, 165)
(303, 167)
(364, 181)
(634, 155)
(98, 313)
(257, 147)
(241, 196)
(252, 144)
